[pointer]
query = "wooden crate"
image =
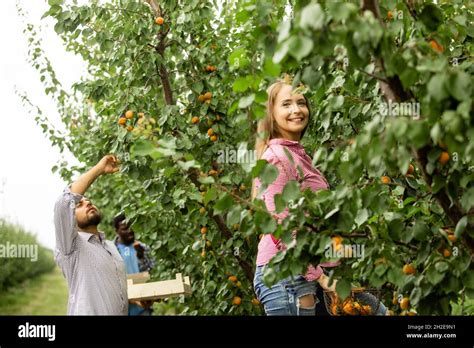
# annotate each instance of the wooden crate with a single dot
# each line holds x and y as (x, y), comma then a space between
(139, 278)
(158, 290)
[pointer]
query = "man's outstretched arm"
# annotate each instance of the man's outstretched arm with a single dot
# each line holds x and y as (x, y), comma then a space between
(65, 207)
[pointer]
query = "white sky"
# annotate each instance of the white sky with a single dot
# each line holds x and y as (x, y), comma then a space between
(26, 155)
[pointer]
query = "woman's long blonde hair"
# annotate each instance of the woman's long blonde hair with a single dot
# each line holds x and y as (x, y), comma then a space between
(267, 128)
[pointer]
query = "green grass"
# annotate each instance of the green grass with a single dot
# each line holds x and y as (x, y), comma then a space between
(46, 294)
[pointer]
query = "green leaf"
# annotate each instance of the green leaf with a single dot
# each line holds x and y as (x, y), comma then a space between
(460, 226)
(210, 195)
(246, 101)
(362, 216)
(241, 84)
(269, 174)
(300, 47)
(142, 148)
(279, 203)
(436, 87)
(238, 58)
(460, 85)
(271, 69)
(431, 16)
(223, 204)
(291, 191)
(312, 17)
(343, 288)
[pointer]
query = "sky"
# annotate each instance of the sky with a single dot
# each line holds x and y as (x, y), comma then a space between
(28, 188)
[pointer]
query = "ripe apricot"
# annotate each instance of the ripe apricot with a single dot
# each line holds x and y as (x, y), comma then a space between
(411, 169)
(452, 237)
(201, 98)
(443, 158)
(436, 46)
(129, 114)
(129, 128)
(122, 121)
(233, 278)
(204, 230)
(255, 302)
(236, 301)
(405, 303)
(214, 138)
(195, 120)
(385, 180)
(446, 253)
(208, 95)
(409, 269)
(389, 15)
(159, 20)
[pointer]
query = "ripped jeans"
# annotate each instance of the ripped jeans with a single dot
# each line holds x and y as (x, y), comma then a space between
(283, 297)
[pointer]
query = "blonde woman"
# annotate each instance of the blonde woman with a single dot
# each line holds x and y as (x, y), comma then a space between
(285, 123)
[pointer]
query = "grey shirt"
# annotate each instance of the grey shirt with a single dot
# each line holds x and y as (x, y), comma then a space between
(92, 266)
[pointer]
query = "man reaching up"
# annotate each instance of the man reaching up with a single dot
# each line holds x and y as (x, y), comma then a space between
(94, 269)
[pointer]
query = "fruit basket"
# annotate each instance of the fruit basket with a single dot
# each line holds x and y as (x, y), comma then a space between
(360, 302)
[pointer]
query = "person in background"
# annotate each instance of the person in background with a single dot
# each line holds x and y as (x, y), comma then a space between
(136, 256)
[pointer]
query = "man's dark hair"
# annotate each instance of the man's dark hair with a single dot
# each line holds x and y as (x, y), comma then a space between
(118, 219)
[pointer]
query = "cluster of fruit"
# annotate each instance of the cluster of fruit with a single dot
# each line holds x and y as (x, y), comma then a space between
(140, 125)
(350, 306)
(237, 300)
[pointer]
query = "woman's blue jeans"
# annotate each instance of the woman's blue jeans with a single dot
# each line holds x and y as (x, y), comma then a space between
(283, 298)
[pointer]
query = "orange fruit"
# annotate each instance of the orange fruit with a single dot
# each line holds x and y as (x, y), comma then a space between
(195, 120)
(337, 240)
(203, 254)
(334, 310)
(159, 20)
(213, 172)
(129, 114)
(233, 278)
(405, 303)
(129, 128)
(210, 131)
(255, 301)
(201, 98)
(122, 121)
(349, 309)
(385, 180)
(443, 158)
(214, 138)
(389, 15)
(202, 210)
(409, 269)
(204, 230)
(411, 169)
(446, 253)
(436, 46)
(452, 237)
(208, 95)
(395, 299)
(236, 301)
(366, 310)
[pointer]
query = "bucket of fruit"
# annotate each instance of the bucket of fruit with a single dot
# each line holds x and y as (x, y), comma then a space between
(360, 302)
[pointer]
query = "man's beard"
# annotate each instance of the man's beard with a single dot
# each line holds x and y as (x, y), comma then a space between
(94, 220)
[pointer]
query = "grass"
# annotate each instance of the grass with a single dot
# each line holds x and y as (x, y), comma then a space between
(46, 294)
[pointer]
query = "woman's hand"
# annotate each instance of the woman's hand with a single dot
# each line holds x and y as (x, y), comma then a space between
(323, 280)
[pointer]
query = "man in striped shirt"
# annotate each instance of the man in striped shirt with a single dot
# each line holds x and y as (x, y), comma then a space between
(92, 266)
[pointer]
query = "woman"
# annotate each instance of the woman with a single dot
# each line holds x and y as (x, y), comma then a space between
(285, 123)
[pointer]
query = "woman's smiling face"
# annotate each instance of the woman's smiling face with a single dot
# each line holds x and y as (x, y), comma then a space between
(290, 113)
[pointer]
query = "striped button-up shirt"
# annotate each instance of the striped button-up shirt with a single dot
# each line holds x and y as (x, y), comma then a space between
(92, 266)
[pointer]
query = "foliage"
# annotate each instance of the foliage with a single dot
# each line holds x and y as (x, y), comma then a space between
(15, 270)
(352, 61)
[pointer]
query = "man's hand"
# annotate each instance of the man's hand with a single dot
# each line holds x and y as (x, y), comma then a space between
(139, 249)
(108, 164)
